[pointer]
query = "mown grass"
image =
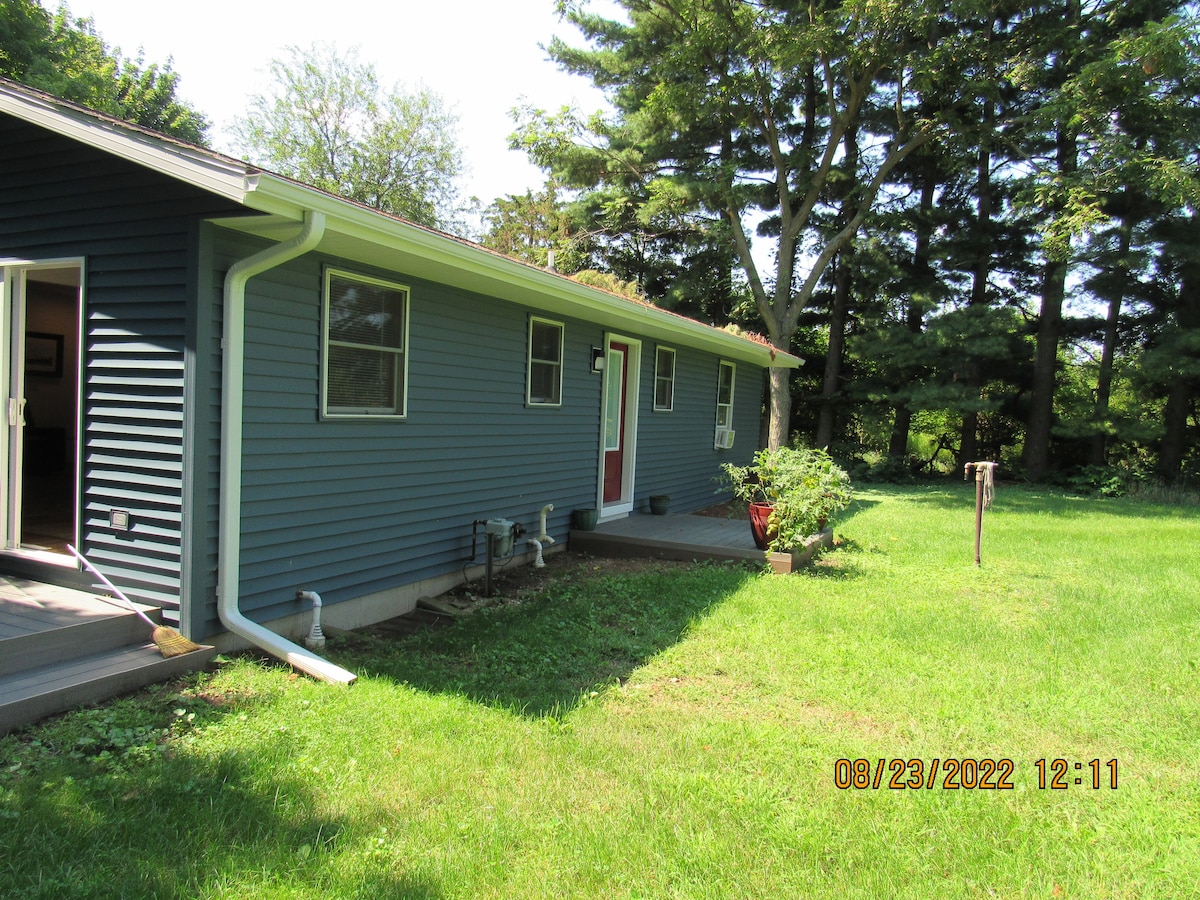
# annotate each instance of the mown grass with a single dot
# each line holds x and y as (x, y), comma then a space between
(673, 732)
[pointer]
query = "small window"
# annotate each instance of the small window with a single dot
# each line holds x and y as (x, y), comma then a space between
(664, 379)
(366, 346)
(725, 395)
(545, 363)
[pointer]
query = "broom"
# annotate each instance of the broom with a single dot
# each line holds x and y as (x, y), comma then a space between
(169, 641)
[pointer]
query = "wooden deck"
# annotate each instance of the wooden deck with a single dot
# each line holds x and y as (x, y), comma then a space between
(29, 607)
(689, 537)
(61, 647)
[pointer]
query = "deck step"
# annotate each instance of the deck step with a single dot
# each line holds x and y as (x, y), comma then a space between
(33, 694)
(87, 635)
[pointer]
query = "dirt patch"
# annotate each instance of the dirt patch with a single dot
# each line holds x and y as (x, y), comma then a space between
(512, 584)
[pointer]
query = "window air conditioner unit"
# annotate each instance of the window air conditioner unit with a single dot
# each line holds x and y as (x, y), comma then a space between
(724, 439)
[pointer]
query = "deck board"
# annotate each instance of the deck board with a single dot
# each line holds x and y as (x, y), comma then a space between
(60, 647)
(29, 607)
(686, 537)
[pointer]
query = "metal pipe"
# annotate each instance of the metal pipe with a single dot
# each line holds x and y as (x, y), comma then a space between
(542, 536)
(490, 545)
(316, 637)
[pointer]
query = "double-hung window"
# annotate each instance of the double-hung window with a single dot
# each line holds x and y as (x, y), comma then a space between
(725, 395)
(544, 380)
(365, 352)
(723, 438)
(664, 379)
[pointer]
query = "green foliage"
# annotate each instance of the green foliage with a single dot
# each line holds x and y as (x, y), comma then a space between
(66, 56)
(1130, 98)
(327, 121)
(1097, 481)
(532, 226)
(804, 487)
(731, 116)
(608, 282)
(627, 220)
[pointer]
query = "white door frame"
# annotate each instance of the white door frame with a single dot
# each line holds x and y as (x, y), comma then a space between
(14, 276)
(624, 506)
(12, 366)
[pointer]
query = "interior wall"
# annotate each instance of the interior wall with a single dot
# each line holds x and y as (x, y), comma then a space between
(50, 399)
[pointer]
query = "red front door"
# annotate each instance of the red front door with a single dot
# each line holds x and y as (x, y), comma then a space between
(616, 370)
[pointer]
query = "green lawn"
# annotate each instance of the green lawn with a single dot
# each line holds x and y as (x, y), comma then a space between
(675, 732)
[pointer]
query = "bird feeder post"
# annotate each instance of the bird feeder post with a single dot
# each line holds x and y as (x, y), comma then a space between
(985, 489)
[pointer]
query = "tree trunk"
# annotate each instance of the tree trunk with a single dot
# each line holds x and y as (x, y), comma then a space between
(1173, 446)
(1182, 389)
(1104, 378)
(914, 315)
(839, 314)
(901, 425)
(968, 440)
(780, 407)
(1036, 456)
(839, 311)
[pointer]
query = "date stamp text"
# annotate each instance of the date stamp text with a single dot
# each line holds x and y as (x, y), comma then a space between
(970, 774)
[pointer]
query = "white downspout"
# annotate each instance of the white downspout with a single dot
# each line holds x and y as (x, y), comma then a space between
(232, 383)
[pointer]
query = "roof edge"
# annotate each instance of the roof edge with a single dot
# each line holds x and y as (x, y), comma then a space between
(206, 169)
(265, 192)
(284, 197)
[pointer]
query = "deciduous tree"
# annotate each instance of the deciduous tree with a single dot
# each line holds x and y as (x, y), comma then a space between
(328, 122)
(67, 57)
(742, 111)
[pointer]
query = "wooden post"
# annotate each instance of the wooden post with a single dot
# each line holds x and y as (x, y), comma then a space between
(984, 489)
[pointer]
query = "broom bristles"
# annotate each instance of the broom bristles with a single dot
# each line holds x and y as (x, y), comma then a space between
(171, 643)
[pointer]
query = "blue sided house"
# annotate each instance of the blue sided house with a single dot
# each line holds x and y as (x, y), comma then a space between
(227, 388)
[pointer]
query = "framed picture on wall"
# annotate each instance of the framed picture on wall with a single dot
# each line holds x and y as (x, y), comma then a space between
(43, 354)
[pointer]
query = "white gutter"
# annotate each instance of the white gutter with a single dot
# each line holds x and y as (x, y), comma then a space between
(431, 254)
(232, 384)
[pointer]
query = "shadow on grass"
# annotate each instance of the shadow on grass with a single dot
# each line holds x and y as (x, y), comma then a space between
(91, 806)
(540, 656)
(1023, 499)
(857, 505)
(836, 564)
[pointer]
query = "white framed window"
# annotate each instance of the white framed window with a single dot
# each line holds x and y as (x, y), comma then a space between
(364, 369)
(543, 386)
(664, 379)
(725, 376)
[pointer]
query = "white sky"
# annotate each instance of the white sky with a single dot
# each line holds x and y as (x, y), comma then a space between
(482, 56)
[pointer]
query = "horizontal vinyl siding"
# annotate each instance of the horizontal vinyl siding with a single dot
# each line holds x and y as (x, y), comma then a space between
(675, 449)
(350, 507)
(133, 229)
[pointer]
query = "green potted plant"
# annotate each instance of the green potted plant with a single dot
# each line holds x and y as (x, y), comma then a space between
(791, 491)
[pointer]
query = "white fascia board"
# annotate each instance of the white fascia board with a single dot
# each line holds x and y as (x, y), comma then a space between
(211, 172)
(482, 270)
